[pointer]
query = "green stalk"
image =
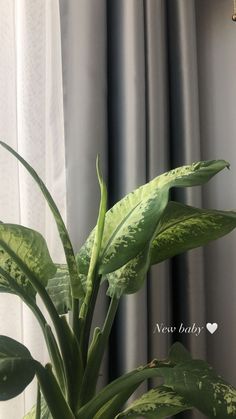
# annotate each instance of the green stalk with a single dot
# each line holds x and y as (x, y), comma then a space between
(67, 362)
(52, 393)
(96, 353)
(76, 286)
(86, 322)
(127, 381)
(76, 360)
(38, 403)
(75, 317)
(113, 406)
(48, 335)
(93, 279)
(55, 356)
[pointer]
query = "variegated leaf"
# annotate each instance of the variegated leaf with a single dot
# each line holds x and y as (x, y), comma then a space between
(197, 382)
(76, 286)
(59, 289)
(158, 403)
(131, 224)
(183, 227)
(30, 248)
(130, 277)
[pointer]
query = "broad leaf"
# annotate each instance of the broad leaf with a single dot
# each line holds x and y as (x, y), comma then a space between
(202, 388)
(29, 247)
(17, 368)
(158, 403)
(132, 222)
(130, 277)
(77, 289)
(59, 289)
(193, 380)
(183, 227)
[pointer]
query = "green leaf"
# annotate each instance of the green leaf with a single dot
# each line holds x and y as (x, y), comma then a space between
(77, 289)
(130, 277)
(52, 393)
(197, 382)
(183, 227)
(17, 368)
(156, 404)
(59, 289)
(132, 222)
(28, 246)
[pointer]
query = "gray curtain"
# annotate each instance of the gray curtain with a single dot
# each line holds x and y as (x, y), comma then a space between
(140, 88)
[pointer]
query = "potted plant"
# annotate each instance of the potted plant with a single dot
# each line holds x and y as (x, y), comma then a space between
(142, 229)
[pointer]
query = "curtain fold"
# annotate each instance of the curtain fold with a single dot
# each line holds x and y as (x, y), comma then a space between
(145, 59)
(187, 269)
(145, 85)
(127, 154)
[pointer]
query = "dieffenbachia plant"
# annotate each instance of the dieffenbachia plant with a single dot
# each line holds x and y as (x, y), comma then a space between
(142, 229)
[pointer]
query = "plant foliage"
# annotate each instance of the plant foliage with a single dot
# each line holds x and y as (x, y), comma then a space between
(142, 229)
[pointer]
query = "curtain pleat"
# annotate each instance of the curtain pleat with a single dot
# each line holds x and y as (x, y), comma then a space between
(133, 64)
(157, 160)
(84, 67)
(217, 92)
(187, 269)
(127, 154)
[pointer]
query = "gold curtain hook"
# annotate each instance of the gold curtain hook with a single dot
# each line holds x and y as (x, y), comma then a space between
(234, 12)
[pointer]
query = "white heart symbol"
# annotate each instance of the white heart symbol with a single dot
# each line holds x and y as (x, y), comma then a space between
(212, 327)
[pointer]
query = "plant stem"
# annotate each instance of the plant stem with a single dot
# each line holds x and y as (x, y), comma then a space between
(65, 349)
(48, 335)
(87, 321)
(75, 317)
(96, 353)
(127, 381)
(113, 406)
(76, 286)
(38, 404)
(52, 393)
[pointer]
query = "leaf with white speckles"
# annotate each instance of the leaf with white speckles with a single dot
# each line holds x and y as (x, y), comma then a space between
(183, 227)
(201, 387)
(22, 246)
(76, 286)
(158, 403)
(132, 223)
(130, 277)
(58, 288)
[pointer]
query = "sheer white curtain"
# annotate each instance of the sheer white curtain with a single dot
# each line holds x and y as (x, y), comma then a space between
(31, 121)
